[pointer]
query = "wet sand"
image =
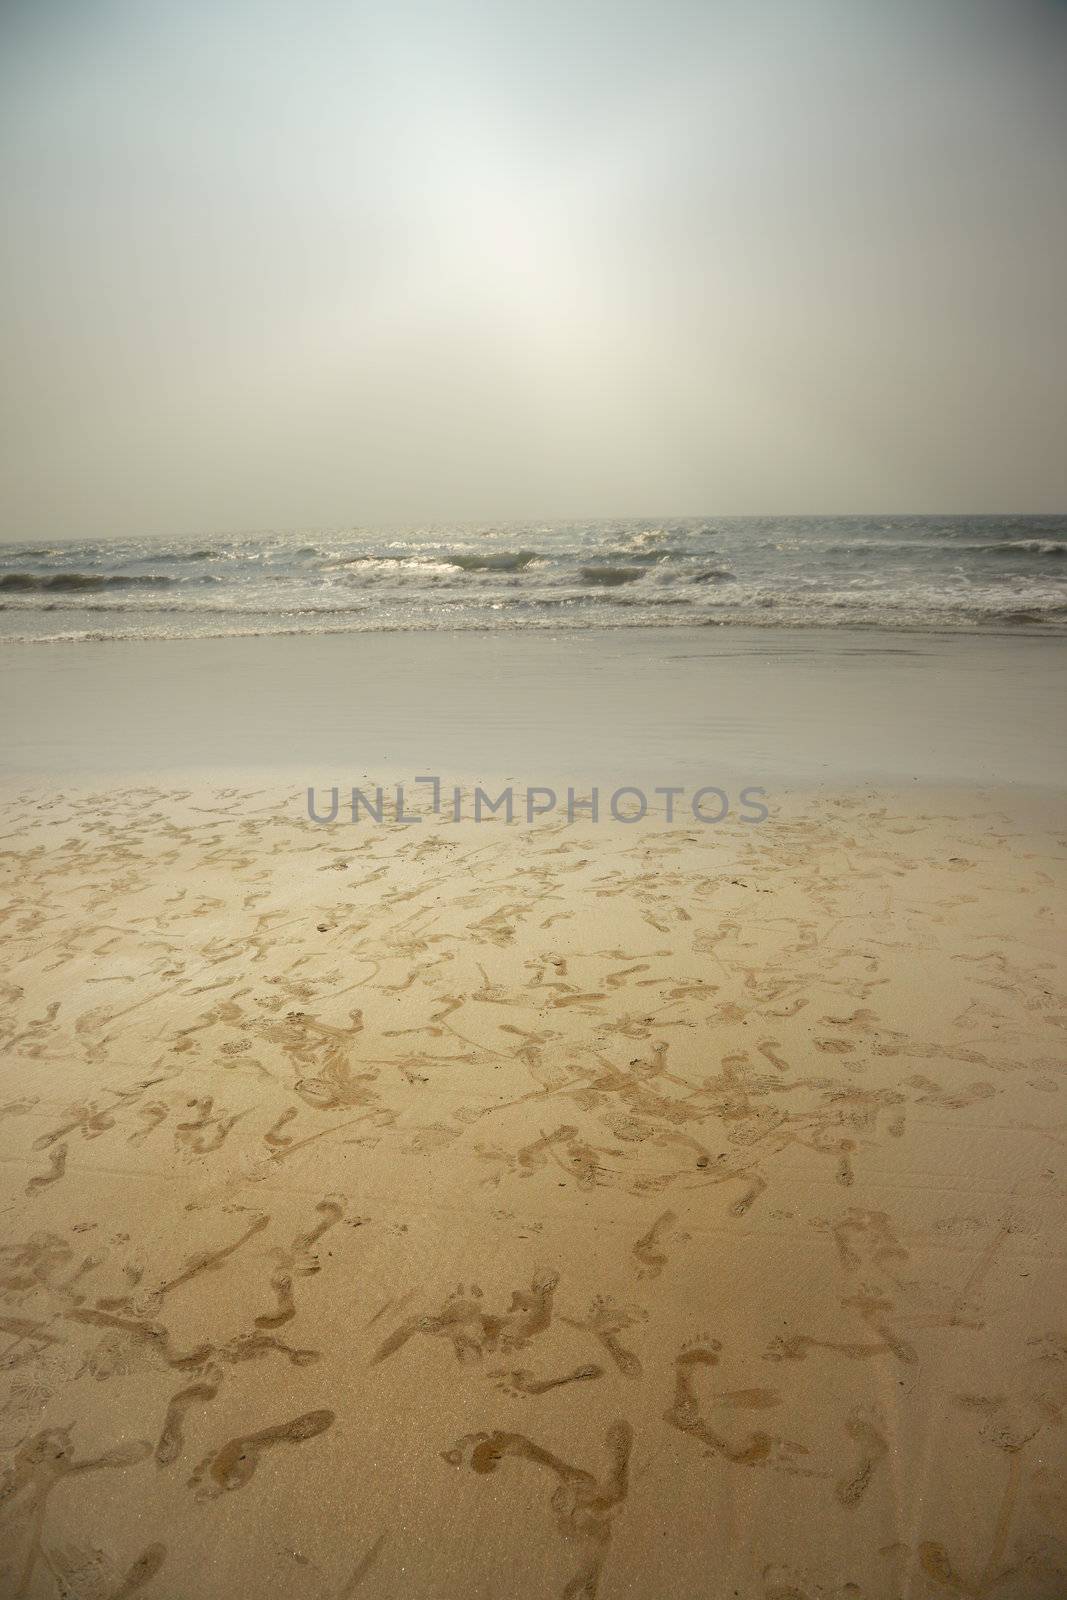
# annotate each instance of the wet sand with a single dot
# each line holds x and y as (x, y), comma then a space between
(482, 1210)
(655, 706)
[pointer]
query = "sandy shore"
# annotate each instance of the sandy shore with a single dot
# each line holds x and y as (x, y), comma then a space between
(491, 1210)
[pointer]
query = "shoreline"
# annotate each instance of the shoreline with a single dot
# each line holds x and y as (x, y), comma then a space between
(552, 631)
(659, 706)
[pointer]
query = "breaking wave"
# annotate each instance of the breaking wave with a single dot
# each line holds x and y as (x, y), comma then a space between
(909, 573)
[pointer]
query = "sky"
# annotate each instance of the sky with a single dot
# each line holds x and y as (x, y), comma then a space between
(309, 265)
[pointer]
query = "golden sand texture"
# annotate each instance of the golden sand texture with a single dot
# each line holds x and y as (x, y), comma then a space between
(488, 1210)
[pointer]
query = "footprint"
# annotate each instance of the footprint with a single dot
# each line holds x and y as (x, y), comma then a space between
(700, 1352)
(282, 1284)
(250, 1346)
(235, 1462)
(584, 1504)
(684, 1413)
(152, 1115)
(522, 1382)
(274, 1135)
(472, 1329)
(873, 1447)
(142, 1571)
(605, 1322)
(57, 1160)
(170, 1439)
(649, 1249)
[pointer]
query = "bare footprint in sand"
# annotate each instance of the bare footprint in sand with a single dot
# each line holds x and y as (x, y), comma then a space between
(872, 1447)
(170, 1439)
(685, 1411)
(523, 1382)
(605, 1322)
(231, 1466)
(57, 1160)
(472, 1329)
(584, 1505)
(141, 1571)
(648, 1251)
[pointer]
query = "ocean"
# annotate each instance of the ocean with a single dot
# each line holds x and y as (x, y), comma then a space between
(914, 573)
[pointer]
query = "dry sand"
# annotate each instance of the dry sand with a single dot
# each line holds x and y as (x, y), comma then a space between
(467, 1211)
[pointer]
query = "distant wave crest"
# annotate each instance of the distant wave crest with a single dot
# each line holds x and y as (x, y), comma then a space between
(74, 582)
(611, 577)
(492, 560)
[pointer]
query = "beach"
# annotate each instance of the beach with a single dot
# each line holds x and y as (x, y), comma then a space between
(451, 1207)
(533, 801)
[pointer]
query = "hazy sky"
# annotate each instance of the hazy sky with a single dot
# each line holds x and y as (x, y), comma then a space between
(316, 263)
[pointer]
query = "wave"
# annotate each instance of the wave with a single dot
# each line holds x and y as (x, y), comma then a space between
(1030, 547)
(611, 577)
(717, 592)
(653, 556)
(714, 575)
(492, 561)
(378, 568)
(623, 619)
(75, 582)
(909, 572)
(952, 547)
(186, 555)
(651, 601)
(651, 539)
(132, 608)
(426, 564)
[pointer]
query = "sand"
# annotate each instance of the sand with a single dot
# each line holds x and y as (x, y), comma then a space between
(487, 1210)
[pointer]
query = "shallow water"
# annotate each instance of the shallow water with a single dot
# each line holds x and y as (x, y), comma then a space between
(655, 707)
